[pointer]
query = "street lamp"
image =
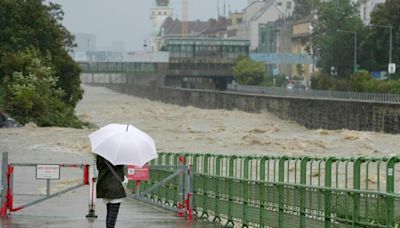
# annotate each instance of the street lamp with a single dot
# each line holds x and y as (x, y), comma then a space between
(355, 46)
(390, 27)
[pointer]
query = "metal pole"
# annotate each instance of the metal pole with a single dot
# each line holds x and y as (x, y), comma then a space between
(47, 187)
(355, 52)
(4, 186)
(92, 192)
(390, 44)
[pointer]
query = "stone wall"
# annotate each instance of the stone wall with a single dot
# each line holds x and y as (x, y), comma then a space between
(311, 113)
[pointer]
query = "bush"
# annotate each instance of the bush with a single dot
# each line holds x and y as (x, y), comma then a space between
(360, 80)
(248, 72)
(34, 95)
(389, 86)
(280, 81)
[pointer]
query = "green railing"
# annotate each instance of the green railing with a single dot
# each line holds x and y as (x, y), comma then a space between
(272, 191)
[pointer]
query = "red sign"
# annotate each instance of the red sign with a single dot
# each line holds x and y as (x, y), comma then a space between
(138, 173)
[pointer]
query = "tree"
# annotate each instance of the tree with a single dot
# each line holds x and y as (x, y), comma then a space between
(35, 24)
(304, 8)
(32, 94)
(337, 48)
(248, 72)
(377, 42)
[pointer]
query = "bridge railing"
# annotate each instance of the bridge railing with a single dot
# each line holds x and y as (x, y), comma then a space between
(280, 191)
(348, 95)
(118, 67)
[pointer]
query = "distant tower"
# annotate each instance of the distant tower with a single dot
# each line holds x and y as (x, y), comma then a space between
(158, 14)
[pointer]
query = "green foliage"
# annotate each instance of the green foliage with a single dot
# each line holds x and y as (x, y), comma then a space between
(248, 72)
(32, 95)
(280, 81)
(304, 8)
(389, 86)
(299, 70)
(37, 25)
(378, 41)
(337, 48)
(323, 82)
(362, 81)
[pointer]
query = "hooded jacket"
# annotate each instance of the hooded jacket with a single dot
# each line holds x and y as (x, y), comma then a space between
(108, 186)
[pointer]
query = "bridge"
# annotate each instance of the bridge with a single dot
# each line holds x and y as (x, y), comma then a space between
(252, 191)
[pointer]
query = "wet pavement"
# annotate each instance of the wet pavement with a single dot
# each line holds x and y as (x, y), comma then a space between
(70, 210)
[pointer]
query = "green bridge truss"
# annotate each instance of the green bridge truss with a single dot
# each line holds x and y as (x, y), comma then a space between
(285, 191)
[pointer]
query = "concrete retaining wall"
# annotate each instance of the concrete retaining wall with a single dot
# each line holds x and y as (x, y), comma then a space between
(311, 113)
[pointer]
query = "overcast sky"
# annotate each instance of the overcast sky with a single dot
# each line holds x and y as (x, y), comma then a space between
(128, 20)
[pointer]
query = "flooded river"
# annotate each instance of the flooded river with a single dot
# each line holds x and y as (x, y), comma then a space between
(174, 129)
(189, 129)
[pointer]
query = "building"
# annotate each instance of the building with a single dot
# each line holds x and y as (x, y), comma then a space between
(236, 18)
(173, 28)
(197, 62)
(275, 39)
(301, 40)
(262, 12)
(158, 14)
(366, 8)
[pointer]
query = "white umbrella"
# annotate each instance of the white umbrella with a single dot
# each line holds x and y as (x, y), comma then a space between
(123, 144)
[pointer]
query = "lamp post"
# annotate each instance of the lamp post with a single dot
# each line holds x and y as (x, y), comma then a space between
(390, 27)
(355, 46)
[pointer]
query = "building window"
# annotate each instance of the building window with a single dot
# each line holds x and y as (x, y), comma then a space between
(289, 5)
(279, 3)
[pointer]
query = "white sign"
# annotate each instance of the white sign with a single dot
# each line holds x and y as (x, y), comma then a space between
(131, 171)
(390, 172)
(48, 172)
(275, 71)
(392, 68)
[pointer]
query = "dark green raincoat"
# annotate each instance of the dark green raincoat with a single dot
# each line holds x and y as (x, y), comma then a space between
(108, 186)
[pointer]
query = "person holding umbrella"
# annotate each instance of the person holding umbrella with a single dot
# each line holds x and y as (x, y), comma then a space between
(117, 145)
(109, 187)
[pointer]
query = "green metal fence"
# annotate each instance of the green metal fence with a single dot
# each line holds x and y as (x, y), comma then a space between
(272, 191)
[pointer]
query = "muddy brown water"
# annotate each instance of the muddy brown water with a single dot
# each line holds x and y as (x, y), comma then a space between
(174, 129)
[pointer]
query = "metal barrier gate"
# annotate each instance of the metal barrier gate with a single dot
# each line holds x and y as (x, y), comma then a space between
(271, 191)
(178, 179)
(47, 173)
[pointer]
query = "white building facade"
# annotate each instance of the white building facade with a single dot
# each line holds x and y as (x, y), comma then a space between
(366, 8)
(158, 14)
(262, 12)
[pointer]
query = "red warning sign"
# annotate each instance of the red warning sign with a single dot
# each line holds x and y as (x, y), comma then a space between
(138, 173)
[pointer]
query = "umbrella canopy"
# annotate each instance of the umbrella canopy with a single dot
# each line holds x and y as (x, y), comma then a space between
(123, 144)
